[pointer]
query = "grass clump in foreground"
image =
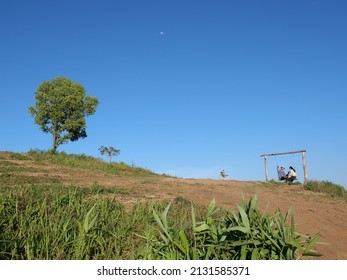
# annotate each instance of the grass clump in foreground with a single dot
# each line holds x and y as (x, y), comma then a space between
(55, 222)
(246, 235)
(327, 187)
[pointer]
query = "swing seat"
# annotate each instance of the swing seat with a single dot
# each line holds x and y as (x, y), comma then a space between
(291, 179)
(288, 180)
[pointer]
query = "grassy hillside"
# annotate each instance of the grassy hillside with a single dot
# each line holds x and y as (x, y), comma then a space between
(13, 172)
(60, 206)
(30, 168)
(88, 162)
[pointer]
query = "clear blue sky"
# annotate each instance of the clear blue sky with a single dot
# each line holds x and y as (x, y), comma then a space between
(226, 82)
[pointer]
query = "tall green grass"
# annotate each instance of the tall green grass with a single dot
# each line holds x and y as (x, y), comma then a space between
(56, 222)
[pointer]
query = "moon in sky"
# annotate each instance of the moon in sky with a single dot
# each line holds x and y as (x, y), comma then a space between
(162, 33)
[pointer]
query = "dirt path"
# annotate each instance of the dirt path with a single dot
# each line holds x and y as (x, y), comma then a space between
(313, 212)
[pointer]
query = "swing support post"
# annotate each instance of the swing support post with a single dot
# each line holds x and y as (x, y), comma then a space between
(304, 165)
(303, 152)
(266, 169)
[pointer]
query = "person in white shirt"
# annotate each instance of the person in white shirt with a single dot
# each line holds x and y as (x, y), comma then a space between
(291, 176)
(281, 173)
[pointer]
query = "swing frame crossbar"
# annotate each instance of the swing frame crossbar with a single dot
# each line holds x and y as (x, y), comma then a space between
(303, 152)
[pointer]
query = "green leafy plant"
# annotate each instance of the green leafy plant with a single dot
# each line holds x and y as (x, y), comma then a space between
(225, 234)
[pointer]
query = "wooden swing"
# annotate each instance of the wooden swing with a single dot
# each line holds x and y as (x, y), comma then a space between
(290, 180)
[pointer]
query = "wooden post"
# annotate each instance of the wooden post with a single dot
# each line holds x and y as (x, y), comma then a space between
(304, 166)
(283, 153)
(266, 169)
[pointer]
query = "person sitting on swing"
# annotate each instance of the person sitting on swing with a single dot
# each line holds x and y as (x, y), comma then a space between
(291, 176)
(281, 173)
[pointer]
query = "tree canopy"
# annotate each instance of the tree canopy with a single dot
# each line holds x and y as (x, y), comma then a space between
(60, 109)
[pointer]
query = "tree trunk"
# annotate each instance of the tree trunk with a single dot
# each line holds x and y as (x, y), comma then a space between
(55, 144)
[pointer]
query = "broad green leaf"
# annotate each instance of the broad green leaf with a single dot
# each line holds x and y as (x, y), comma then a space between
(89, 224)
(211, 208)
(184, 240)
(244, 252)
(180, 247)
(243, 201)
(193, 217)
(312, 254)
(272, 241)
(295, 244)
(310, 245)
(255, 254)
(264, 252)
(240, 228)
(244, 219)
(201, 228)
(246, 242)
(164, 216)
(163, 237)
(253, 207)
(159, 222)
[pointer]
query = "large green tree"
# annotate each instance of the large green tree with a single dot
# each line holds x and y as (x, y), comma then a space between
(61, 109)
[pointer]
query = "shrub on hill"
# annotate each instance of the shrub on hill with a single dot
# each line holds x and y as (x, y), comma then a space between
(327, 187)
